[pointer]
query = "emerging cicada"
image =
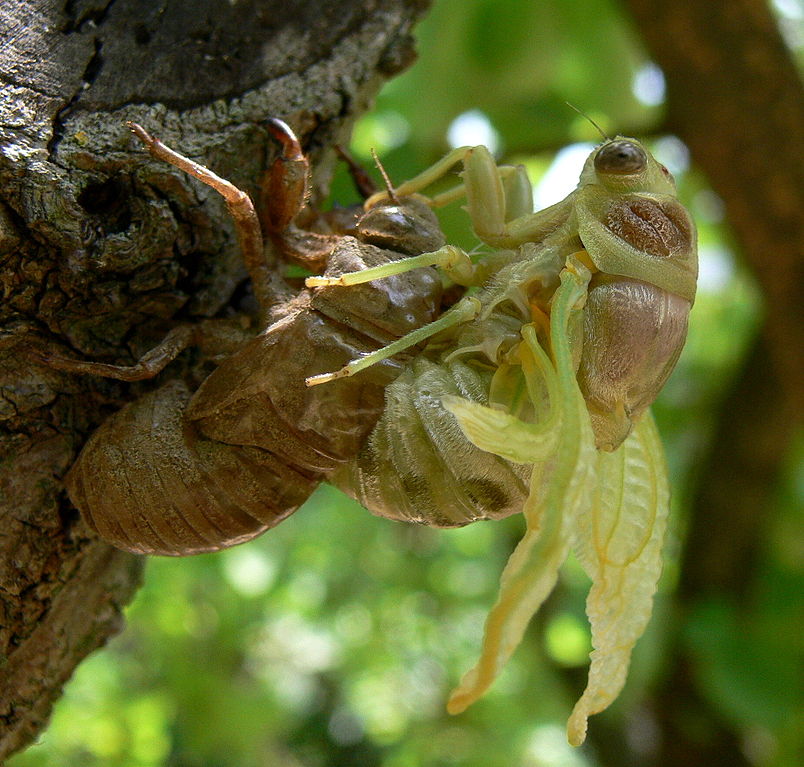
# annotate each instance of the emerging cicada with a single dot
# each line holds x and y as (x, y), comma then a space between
(178, 473)
(533, 394)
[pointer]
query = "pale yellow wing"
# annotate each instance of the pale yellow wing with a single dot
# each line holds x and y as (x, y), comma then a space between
(619, 545)
(562, 450)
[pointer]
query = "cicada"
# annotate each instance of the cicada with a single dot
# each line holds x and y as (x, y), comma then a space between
(179, 472)
(533, 394)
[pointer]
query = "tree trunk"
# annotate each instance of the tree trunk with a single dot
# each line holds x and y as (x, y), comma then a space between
(103, 249)
(734, 95)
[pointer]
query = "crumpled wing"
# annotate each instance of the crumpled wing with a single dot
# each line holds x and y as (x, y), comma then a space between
(561, 446)
(619, 545)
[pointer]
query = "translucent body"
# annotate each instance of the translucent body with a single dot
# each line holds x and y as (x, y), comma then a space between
(582, 312)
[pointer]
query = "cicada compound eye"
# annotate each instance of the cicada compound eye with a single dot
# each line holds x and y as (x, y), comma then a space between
(621, 157)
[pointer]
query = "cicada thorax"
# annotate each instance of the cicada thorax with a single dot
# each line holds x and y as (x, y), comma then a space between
(638, 303)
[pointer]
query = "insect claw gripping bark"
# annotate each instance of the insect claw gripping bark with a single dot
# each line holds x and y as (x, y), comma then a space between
(177, 472)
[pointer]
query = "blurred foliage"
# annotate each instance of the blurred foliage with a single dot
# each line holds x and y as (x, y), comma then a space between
(335, 639)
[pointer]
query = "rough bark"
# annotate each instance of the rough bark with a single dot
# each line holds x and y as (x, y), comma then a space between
(102, 250)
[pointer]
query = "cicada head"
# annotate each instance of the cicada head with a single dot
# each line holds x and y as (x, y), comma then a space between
(624, 165)
(406, 225)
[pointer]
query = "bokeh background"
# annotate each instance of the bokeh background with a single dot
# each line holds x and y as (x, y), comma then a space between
(334, 640)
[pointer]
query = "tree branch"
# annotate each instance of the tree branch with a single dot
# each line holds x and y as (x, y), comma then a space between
(102, 250)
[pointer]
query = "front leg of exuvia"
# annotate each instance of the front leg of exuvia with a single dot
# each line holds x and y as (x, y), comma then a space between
(249, 235)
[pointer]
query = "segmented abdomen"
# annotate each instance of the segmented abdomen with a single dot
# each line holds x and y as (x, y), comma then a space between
(149, 483)
(418, 466)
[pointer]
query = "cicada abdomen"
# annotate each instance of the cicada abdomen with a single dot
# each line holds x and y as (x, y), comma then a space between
(149, 483)
(175, 474)
(418, 466)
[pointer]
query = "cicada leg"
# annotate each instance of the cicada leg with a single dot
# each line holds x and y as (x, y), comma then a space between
(520, 186)
(451, 259)
(215, 337)
(495, 195)
(499, 198)
(249, 235)
(148, 366)
(465, 310)
(286, 217)
(517, 191)
(241, 208)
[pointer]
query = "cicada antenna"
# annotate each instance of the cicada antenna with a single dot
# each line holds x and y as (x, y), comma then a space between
(362, 181)
(583, 114)
(388, 185)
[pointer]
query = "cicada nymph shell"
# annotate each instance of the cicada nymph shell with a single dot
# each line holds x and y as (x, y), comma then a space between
(177, 473)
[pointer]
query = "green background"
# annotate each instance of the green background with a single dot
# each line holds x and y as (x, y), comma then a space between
(335, 639)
